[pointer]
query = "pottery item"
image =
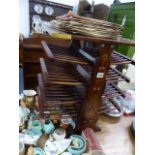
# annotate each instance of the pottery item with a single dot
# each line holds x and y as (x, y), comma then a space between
(21, 148)
(36, 124)
(30, 150)
(23, 114)
(55, 116)
(34, 132)
(38, 151)
(78, 145)
(65, 121)
(57, 147)
(48, 127)
(28, 138)
(29, 98)
(66, 153)
(59, 133)
(22, 125)
(51, 137)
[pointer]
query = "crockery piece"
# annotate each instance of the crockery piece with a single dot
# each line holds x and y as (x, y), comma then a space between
(30, 93)
(49, 10)
(28, 139)
(66, 153)
(34, 132)
(78, 145)
(56, 147)
(36, 124)
(29, 98)
(48, 127)
(38, 8)
(65, 121)
(59, 134)
(30, 150)
(21, 148)
(21, 125)
(38, 151)
(23, 115)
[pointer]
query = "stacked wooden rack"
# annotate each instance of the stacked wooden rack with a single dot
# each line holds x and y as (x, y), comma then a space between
(78, 81)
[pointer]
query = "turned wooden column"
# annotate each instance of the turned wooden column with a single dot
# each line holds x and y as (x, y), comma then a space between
(90, 109)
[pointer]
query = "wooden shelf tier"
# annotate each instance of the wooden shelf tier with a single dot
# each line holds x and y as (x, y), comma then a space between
(63, 54)
(59, 73)
(68, 98)
(112, 76)
(65, 98)
(116, 57)
(111, 91)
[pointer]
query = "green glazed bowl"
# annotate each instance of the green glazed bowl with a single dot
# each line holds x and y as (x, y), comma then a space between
(36, 124)
(34, 132)
(38, 151)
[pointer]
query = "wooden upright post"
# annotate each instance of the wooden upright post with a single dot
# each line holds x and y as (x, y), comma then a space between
(90, 110)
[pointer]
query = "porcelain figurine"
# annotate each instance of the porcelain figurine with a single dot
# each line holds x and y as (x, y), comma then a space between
(48, 127)
(78, 145)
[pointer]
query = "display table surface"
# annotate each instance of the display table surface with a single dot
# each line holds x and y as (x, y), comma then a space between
(115, 138)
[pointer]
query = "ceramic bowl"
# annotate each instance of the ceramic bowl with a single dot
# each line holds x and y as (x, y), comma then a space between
(66, 153)
(29, 93)
(59, 133)
(34, 132)
(23, 113)
(36, 124)
(78, 145)
(38, 151)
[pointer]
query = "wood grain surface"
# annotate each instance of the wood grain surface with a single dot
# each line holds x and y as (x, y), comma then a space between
(115, 137)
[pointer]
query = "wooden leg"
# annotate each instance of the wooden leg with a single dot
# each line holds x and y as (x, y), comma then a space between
(90, 110)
